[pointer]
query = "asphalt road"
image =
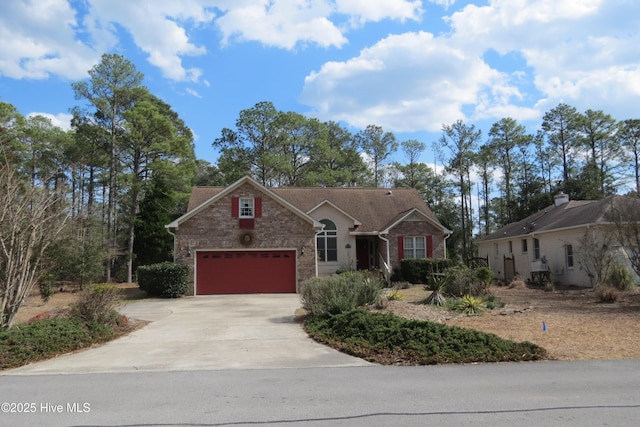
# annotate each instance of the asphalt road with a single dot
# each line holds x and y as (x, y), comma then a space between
(524, 394)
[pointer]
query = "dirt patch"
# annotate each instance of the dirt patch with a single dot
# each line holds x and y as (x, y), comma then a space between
(34, 308)
(569, 323)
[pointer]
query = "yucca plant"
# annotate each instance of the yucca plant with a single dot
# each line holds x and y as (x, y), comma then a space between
(438, 287)
(468, 304)
(395, 295)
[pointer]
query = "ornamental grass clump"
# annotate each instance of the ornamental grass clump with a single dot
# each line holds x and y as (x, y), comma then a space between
(97, 304)
(331, 295)
(607, 294)
(468, 304)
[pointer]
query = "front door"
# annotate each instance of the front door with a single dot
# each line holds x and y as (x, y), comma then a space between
(362, 253)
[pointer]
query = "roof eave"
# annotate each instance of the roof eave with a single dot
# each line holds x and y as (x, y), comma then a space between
(387, 229)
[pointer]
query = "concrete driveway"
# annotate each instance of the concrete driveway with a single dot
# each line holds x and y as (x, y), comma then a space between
(201, 333)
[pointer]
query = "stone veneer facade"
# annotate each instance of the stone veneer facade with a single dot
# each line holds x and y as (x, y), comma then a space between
(213, 228)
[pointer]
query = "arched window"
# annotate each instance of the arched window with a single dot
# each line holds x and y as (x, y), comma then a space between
(328, 242)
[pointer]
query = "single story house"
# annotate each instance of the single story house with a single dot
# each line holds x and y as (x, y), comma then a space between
(547, 244)
(247, 238)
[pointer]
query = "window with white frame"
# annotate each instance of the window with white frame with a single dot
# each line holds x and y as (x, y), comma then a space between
(536, 249)
(525, 247)
(328, 242)
(568, 250)
(247, 208)
(415, 247)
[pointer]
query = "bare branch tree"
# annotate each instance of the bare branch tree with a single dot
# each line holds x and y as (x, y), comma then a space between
(31, 218)
(625, 214)
(595, 254)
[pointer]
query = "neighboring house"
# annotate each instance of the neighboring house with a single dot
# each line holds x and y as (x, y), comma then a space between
(247, 238)
(548, 242)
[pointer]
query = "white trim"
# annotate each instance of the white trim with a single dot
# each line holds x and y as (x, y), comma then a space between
(326, 237)
(413, 248)
(252, 207)
(327, 202)
(246, 179)
(418, 211)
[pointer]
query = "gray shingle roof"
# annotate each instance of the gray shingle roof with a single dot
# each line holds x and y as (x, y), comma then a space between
(572, 214)
(375, 208)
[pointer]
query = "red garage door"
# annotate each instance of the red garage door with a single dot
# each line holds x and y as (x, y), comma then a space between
(245, 272)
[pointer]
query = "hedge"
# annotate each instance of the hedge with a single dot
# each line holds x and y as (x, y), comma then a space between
(165, 280)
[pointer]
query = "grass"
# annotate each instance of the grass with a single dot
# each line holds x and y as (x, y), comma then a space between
(389, 339)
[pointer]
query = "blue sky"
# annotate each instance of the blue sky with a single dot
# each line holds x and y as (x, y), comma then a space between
(406, 65)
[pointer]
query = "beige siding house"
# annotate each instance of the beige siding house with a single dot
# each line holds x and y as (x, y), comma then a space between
(547, 243)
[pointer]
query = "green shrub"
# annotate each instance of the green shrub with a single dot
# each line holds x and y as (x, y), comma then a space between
(42, 339)
(389, 339)
(97, 304)
(46, 287)
(464, 281)
(492, 302)
(620, 277)
(468, 304)
(485, 275)
(607, 294)
(165, 280)
(418, 270)
(330, 295)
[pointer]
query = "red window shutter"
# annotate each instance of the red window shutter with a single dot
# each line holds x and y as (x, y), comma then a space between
(235, 207)
(258, 207)
(400, 248)
(429, 246)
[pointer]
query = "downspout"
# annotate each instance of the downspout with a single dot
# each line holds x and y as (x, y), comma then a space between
(315, 245)
(174, 243)
(446, 236)
(388, 258)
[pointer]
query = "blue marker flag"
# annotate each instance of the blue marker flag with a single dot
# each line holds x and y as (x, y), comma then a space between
(544, 327)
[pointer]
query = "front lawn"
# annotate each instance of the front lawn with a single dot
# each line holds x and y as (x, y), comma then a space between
(391, 340)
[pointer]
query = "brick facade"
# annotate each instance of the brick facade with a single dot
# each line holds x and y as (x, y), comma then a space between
(214, 228)
(415, 228)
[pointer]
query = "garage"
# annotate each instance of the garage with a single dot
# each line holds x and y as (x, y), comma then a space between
(245, 272)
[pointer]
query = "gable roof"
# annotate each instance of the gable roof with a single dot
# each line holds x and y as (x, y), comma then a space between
(202, 197)
(376, 209)
(573, 214)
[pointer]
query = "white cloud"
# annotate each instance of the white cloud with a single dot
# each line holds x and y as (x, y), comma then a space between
(61, 120)
(362, 11)
(444, 3)
(281, 23)
(407, 82)
(156, 29)
(584, 52)
(286, 23)
(38, 39)
(193, 93)
(581, 51)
